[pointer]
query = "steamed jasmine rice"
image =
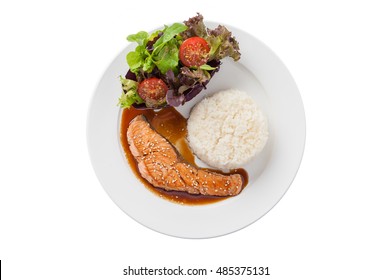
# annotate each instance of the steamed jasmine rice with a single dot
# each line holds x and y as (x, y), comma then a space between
(226, 130)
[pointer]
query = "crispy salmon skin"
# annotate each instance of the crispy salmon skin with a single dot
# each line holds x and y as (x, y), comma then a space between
(162, 166)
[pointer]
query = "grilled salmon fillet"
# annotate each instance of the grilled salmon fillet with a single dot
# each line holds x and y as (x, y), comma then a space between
(162, 166)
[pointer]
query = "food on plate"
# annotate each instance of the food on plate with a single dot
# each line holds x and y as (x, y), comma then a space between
(162, 166)
(227, 129)
(194, 52)
(167, 68)
(153, 91)
(182, 58)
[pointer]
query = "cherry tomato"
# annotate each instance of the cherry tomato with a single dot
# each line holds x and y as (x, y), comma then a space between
(194, 51)
(153, 91)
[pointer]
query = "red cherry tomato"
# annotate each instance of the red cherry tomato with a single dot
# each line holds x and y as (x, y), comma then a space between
(152, 90)
(194, 51)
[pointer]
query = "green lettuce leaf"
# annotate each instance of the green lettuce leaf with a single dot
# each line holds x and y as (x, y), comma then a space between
(135, 59)
(166, 57)
(164, 54)
(140, 38)
(169, 32)
(129, 94)
(149, 64)
(207, 67)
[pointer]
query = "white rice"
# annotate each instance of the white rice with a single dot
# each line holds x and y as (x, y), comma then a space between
(227, 129)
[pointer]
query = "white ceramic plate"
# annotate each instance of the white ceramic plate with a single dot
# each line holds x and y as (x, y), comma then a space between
(261, 74)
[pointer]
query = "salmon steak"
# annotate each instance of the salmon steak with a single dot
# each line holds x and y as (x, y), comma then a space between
(162, 166)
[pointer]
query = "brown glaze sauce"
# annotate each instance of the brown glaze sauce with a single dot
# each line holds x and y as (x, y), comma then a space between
(172, 125)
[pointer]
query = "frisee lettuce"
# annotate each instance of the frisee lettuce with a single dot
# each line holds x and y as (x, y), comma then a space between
(129, 93)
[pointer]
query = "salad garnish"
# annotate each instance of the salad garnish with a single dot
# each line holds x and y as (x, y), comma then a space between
(171, 66)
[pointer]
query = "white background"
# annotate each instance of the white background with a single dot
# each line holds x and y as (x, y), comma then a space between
(57, 222)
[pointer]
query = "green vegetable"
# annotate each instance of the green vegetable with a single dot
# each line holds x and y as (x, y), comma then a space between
(167, 57)
(129, 94)
(196, 27)
(164, 53)
(139, 38)
(222, 44)
(198, 75)
(157, 55)
(207, 67)
(169, 32)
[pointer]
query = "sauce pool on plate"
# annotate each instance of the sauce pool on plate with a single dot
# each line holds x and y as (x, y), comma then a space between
(171, 125)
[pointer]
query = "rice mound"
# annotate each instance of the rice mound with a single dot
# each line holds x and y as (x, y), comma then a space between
(227, 129)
